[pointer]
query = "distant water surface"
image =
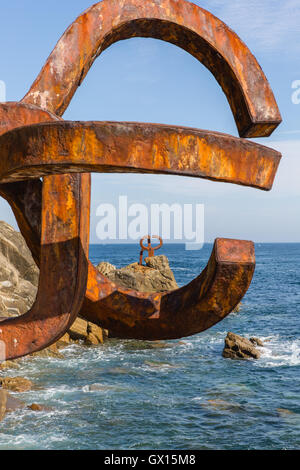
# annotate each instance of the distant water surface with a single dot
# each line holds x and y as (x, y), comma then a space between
(127, 395)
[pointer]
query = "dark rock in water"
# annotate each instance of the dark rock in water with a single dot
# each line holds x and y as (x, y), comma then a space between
(237, 347)
(38, 408)
(90, 334)
(156, 276)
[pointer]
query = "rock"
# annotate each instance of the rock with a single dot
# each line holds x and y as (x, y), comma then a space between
(9, 365)
(237, 347)
(156, 276)
(283, 411)
(91, 334)
(64, 341)
(237, 308)
(222, 405)
(106, 268)
(257, 341)
(16, 384)
(19, 274)
(38, 408)
(51, 351)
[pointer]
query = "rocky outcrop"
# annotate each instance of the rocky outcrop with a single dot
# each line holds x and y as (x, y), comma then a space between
(237, 347)
(19, 274)
(156, 276)
(15, 384)
(89, 333)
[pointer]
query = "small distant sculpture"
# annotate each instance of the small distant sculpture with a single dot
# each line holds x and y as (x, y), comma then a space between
(151, 249)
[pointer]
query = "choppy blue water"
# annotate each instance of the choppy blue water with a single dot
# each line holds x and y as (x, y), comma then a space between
(185, 396)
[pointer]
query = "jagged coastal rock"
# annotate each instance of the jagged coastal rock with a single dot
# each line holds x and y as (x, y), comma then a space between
(156, 276)
(237, 347)
(19, 274)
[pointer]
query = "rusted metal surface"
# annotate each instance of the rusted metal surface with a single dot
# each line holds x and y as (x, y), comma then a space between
(194, 308)
(176, 21)
(112, 147)
(151, 249)
(53, 214)
(63, 272)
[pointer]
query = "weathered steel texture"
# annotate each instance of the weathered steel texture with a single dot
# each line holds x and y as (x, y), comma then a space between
(63, 276)
(13, 114)
(176, 21)
(111, 147)
(56, 232)
(149, 248)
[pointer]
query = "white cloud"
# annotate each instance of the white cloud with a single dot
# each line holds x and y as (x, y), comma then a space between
(273, 25)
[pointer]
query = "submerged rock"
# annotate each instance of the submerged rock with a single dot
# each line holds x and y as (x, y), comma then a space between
(222, 405)
(156, 276)
(39, 408)
(237, 347)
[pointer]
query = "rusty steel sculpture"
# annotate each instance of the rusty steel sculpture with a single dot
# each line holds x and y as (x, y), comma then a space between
(53, 213)
(149, 248)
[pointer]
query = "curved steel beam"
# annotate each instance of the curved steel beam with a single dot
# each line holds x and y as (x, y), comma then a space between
(192, 309)
(63, 275)
(104, 147)
(179, 22)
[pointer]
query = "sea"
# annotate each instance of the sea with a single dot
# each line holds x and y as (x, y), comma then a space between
(185, 395)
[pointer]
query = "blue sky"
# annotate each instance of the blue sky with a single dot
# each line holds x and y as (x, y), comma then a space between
(152, 81)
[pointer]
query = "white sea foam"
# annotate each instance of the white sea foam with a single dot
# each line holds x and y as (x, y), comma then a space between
(279, 352)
